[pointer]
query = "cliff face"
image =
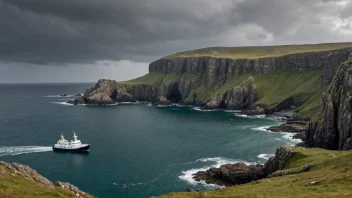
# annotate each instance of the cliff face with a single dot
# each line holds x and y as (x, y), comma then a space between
(220, 70)
(219, 82)
(332, 128)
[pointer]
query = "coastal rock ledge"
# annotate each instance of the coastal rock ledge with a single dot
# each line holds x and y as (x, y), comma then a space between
(16, 172)
(240, 173)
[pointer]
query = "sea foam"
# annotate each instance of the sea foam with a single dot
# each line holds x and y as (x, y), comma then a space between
(265, 156)
(187, 175)
(17, 150)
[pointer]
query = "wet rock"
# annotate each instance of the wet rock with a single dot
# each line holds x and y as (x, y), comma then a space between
(240, 173)
(292, 127)
(230, 174)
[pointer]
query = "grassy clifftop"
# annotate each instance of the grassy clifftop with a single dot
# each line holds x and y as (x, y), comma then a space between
(259, 51)
(329, 177)
(18, 180)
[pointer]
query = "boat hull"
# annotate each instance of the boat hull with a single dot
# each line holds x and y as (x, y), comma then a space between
(80, 149)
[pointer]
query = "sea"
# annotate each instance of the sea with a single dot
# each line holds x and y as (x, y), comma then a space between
(136, 150)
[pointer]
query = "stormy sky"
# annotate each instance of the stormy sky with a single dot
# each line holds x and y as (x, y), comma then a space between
(84, 40)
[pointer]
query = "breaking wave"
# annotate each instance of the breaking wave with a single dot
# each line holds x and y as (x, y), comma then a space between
(187, 175)
(262, 128)
(17, 150)
(62, 103)
(265, 156)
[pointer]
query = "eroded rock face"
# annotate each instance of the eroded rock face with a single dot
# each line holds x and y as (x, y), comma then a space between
(222, 69)
(240, 173)
(333, 127)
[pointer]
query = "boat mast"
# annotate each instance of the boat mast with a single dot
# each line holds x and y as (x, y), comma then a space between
(74, 136)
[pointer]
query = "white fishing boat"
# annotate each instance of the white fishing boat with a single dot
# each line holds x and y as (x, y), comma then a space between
(73, 145)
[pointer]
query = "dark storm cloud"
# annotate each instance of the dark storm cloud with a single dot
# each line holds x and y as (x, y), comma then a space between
(77, 31)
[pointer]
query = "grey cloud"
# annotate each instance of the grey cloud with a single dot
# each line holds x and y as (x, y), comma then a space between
(85, 31)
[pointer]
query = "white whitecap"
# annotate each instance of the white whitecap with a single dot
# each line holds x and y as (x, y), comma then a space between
(241, 115)
(17, 150)
(187, 175)
(289, 137)
(262, 128)
(265, 156)
(62, 103)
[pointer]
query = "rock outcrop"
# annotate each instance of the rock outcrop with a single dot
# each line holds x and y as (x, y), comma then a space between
(212, 82)
(13, 169)
(240, 173)
(162, 101)
(99, 99)
(290, 126)
(332, 127)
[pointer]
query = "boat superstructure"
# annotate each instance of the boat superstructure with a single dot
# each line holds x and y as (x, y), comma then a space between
(73, 145)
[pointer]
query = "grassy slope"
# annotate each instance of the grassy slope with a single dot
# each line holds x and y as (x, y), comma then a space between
(332, 171)
(259, 51)
(14, 185)
(272, 88)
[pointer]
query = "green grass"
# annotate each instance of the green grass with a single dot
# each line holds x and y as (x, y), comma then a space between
(14, 185)
(273, 88)
(148, 79)
(259, 51)
(332, 170)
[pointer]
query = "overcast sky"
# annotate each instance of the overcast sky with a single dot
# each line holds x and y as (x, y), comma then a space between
(84, 40)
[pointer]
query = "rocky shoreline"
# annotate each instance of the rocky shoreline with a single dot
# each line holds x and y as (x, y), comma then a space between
(241, 173)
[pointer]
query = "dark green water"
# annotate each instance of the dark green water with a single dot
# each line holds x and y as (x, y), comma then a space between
(152, 150)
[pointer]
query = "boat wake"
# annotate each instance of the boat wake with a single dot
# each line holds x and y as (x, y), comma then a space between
(17, 150)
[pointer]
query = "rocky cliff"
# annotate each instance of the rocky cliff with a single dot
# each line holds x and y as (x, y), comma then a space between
(214, 82)
(17, 180)
(332, 127)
